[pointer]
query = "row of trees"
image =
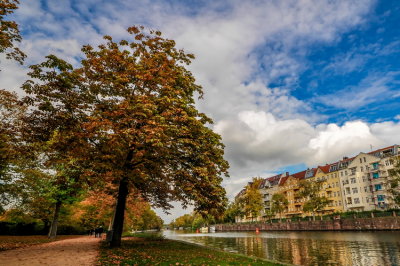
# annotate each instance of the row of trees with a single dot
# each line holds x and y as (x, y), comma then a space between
(193, 221)
(91, 211)
(251, 204)
(124, 123)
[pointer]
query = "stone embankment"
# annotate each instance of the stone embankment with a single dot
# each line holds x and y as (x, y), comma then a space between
(356, 224)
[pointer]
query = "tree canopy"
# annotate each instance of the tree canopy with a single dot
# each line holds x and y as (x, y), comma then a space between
(127, 118)
(9, 32)
(279, 203)
(311, 192)
(251, 202)
(394, 183)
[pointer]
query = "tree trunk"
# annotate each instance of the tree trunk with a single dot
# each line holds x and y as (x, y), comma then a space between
(118, 222)
(54, 223)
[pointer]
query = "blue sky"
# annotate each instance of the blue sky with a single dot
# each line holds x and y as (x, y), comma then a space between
(290, 84)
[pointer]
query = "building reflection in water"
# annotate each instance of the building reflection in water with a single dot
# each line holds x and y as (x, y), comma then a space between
(308, 248)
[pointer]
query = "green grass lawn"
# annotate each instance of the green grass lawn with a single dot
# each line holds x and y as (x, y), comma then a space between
(156, 251)
(12, 242)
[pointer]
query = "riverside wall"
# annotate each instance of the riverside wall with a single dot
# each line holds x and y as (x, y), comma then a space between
(355, 224)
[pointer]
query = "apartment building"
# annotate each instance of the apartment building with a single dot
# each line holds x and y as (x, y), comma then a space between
(330, 187)
(289, 186)
(365, 180)
(379, 177)
(356, 184)
(360, 183)
(268, 188)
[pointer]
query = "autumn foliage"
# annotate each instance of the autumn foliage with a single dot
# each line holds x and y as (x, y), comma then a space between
(9, 32)
(121, 126)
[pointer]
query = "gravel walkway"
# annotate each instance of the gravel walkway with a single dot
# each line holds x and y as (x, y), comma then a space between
(81, 251)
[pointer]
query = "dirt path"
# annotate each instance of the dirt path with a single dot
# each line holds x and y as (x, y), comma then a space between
(75, 252)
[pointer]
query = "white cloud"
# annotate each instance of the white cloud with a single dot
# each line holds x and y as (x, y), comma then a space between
(333, 141)
(373, 88)
(239, 51)
(388, 131)
(257, 141)
(12, 74)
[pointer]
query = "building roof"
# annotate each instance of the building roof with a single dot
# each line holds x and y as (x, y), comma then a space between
(300, 175)
(325, 168)
(274, 180)
(283, 180)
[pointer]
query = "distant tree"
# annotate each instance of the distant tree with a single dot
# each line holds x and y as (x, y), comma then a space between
(279, 204)
(311, 192)
(394, 181)
(150, 220)
(184, 221)
(251, 201)
(232, 211)
(9, 32)
(269, 214)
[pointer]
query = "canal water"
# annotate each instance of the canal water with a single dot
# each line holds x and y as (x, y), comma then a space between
(305, 248)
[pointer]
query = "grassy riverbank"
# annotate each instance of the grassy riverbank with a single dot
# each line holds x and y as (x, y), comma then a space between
(150, 250)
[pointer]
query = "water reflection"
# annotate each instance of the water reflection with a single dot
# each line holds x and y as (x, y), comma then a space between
(306, 248)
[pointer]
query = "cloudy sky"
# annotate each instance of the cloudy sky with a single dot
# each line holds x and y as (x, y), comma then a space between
(290, 84)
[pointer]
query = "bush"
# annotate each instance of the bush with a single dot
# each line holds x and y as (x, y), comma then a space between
(26, 229)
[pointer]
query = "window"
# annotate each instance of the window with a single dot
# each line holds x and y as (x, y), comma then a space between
(348, 190)
(366, 168)
(356, 201)
(345, 172)
(349, 200)
(367, 199)
(353, 180)
(375, 166)
(340, 202)
(365, 189)
(361, 169)
(381, 197)
(353, 170)
(387, 162)
(360, 160)
(375, 175)
(355, 190)
(378, 187)
(341, 173)
(365, 160)
(364, 178)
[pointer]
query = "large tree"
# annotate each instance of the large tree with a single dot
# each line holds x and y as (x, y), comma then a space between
(9, 32)
(146, 127)
(127, 117)
(52, 130)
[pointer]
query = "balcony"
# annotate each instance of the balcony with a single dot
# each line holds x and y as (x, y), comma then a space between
(329, 188)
